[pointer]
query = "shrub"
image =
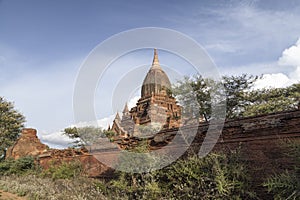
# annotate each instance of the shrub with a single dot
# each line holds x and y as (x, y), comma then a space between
(18, 167)
(135, 186)
(215, 176)
(286, 185)
(64, 170)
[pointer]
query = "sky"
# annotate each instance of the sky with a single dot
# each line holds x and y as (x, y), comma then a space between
(43, 44)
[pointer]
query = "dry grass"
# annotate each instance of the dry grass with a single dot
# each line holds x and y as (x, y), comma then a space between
(35, 187)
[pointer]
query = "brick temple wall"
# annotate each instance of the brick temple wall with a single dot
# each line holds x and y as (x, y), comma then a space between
(261, 140)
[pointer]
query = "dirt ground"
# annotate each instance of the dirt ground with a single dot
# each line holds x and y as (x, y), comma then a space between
(9, 196)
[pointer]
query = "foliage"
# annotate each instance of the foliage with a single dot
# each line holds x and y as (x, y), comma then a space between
(142, 184)
(236, 89)
(194, 93)
(64, 170)
(294, 92)
(286, 185)
(271, 100)
(214, 177)
(83, 135)
(20, 166)
(242, 100)
(136, 186)
(11, 123)
(109, 134)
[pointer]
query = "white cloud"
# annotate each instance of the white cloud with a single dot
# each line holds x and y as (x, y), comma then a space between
(102, 123)
(289, 62)
(132, 102)
(291, 58)
(278, 80)
(55, 139)
(296, 74)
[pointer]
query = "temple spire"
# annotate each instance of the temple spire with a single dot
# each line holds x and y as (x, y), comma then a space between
(126, 110)
(118, 117)
(155, 63)
(156, 79)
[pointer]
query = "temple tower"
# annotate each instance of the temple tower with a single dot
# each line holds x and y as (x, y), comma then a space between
(156, 106)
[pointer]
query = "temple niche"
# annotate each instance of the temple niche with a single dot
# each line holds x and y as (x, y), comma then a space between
(157, 109)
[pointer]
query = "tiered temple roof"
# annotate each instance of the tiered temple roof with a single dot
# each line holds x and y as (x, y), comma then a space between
(155, 107)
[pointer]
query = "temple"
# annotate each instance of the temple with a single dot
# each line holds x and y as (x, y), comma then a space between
(156, 108)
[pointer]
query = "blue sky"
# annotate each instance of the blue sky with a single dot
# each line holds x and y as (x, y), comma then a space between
(43, 44)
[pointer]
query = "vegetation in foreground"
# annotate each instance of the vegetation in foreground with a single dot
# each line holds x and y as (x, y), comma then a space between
(216, 176)
(286, 185)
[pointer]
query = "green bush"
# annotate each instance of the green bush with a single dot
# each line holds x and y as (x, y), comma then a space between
(215, 176)
(134, 186)
(286, 185)
(18, 167)
(64, 170)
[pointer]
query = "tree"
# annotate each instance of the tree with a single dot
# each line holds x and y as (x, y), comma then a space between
(83, 135)
(265, 101)
(236, 89)
(11, 123)
(195, 94)
(294, 92)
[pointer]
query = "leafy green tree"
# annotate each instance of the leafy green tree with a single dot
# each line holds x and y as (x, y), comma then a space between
(270, 100)
(294, 92)
(11, 123)
(236, 89)
(194, 95)
(83, 135)
(242, 100)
